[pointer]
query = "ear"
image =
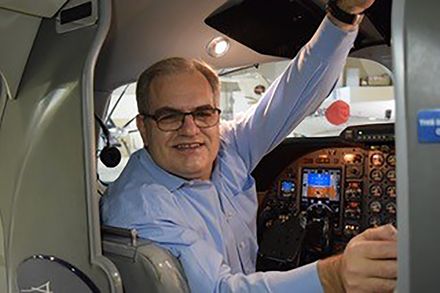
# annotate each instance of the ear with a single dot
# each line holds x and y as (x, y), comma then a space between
(140, 123)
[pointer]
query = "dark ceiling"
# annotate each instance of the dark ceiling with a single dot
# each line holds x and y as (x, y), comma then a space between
(282, 27)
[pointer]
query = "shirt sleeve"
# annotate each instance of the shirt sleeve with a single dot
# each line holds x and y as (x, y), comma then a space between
(305, 83)
(204, 266)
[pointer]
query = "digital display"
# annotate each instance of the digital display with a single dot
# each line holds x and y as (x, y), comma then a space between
(321, 183)
(287, 188)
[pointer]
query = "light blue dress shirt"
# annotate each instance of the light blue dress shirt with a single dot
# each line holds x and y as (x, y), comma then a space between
(210, 226)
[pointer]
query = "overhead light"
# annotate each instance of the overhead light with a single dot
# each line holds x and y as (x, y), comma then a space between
(218, 47)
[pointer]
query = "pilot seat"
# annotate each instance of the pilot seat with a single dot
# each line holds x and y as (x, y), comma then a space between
(143, 265)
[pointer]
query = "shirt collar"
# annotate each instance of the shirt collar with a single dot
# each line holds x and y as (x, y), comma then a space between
(170, 181)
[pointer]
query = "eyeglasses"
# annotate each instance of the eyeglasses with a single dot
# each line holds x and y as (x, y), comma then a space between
(172, 120)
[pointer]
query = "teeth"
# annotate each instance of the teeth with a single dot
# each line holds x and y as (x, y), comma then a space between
(188, 146)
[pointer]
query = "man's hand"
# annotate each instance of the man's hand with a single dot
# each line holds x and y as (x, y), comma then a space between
(368, 264)
(352, 7)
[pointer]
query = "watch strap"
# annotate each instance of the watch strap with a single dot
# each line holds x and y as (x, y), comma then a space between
(340, 14)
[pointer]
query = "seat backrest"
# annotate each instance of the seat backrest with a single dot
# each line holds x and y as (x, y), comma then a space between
(143, 265)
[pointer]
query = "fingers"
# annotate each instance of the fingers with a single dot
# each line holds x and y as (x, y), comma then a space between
(384, 269)
(369, 262)
(378, 249)
(373, 285)
(382, 285)
(365, 275)
(386, 232)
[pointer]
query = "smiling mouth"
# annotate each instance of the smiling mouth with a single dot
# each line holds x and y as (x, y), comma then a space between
(188, 146)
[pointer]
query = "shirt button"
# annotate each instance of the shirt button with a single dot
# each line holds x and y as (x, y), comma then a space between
(241, 245)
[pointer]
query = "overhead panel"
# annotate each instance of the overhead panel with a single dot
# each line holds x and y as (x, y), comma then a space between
(46, 8)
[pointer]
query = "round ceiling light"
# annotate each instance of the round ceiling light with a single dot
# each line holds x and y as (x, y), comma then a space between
(218, 47)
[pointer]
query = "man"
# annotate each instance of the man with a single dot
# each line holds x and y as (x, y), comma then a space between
(191, 191)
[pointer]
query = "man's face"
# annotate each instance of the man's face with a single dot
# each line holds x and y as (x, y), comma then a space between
(190, 151)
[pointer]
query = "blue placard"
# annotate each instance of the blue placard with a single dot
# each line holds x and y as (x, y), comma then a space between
(428, 126)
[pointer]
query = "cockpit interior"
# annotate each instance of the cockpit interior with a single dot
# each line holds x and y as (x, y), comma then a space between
(325, 191)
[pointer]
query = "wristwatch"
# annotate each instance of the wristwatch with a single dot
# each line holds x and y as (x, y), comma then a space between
(341, 15)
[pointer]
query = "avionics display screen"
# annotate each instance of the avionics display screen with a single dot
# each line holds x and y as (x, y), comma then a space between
(321, 183)
(287, 188)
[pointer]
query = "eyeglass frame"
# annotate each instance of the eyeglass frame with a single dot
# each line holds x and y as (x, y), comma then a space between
(184, 114)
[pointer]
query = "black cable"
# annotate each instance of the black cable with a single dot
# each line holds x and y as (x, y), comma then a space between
(117, 102)
(129, 121)
(256, 65)
(103, 128)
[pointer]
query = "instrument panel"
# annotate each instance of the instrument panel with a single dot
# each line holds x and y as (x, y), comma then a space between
(329, 195)
(357, 185)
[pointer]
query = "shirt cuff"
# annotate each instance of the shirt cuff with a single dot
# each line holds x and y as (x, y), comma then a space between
(302, 279)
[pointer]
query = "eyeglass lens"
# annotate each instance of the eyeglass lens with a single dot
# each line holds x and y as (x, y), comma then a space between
(203, 118)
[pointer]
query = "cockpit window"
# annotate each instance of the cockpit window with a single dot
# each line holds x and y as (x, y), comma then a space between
(123, 134)
(363, 95)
